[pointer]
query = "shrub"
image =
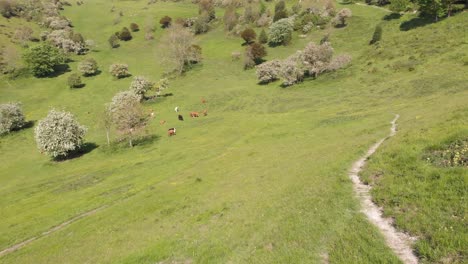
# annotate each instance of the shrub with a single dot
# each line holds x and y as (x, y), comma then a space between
(74, 81)
(149, 36)
(264, 20)
(23, 35)
(134, 27)
(42, 59)
(7, 8)
(263, 38)
(119, 70)
(78, 38)
(207, 8)
(340, 19)
(113, 41)
(230, 18)
(140, 86)
(280, 11)
(377, 35)
(125, 34)
(88, 67)
(339, 62)
(399, 5)
(59, 134)
(280, 32)
(256, 52)
(291, 71)
(11, 117)
(165, 21)
(249, 63)
(201, 24)
(317, 57)
(248, 35)
(269, 71)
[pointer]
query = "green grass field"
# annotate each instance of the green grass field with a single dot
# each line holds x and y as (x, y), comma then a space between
(261, 179)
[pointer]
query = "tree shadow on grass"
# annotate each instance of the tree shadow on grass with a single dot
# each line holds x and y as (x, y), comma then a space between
(391, 16)
(122, 144)
(59, 70)
(145, 140)
(415, 23)
(85, 149)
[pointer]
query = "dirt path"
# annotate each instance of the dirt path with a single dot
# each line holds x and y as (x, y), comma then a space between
(399, 242)
(48, 232)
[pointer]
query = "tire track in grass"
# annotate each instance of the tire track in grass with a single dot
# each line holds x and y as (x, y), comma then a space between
(399, 242)
(50, 231)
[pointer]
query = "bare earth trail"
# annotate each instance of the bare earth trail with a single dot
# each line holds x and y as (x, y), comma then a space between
(399, 242)
(50, 231)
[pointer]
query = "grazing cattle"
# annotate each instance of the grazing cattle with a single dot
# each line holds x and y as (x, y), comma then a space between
(203, 101)
(176, 109)
(194, 114)
(152, 114)
(181, 118)
(205, 112)
(162, 122)
(171, 132)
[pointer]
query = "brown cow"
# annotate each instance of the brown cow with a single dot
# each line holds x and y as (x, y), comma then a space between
(162, 122)
(203, 101)
(194, 114)
(205, 112)
(171, 132)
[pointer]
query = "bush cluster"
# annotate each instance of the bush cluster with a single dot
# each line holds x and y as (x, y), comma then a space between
(311, 61)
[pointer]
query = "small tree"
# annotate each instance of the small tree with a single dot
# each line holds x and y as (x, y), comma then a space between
(248, 35)
(134, 27)
(113, 41)
(165, 21)
(181, 51)
(256, 52)
(11, 117)
(340, 19)
(59, 134)
(377, 35)
(119, 70)
(263, 38)
(74, 81)
(107, 122)
(280, 32)
(125, 34)
(127, 114)
(140, 86)
(42, 59)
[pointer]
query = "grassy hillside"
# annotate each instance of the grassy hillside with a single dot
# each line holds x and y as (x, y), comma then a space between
(262, 178)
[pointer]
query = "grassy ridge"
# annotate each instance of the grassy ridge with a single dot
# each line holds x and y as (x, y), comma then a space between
(262, 179)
